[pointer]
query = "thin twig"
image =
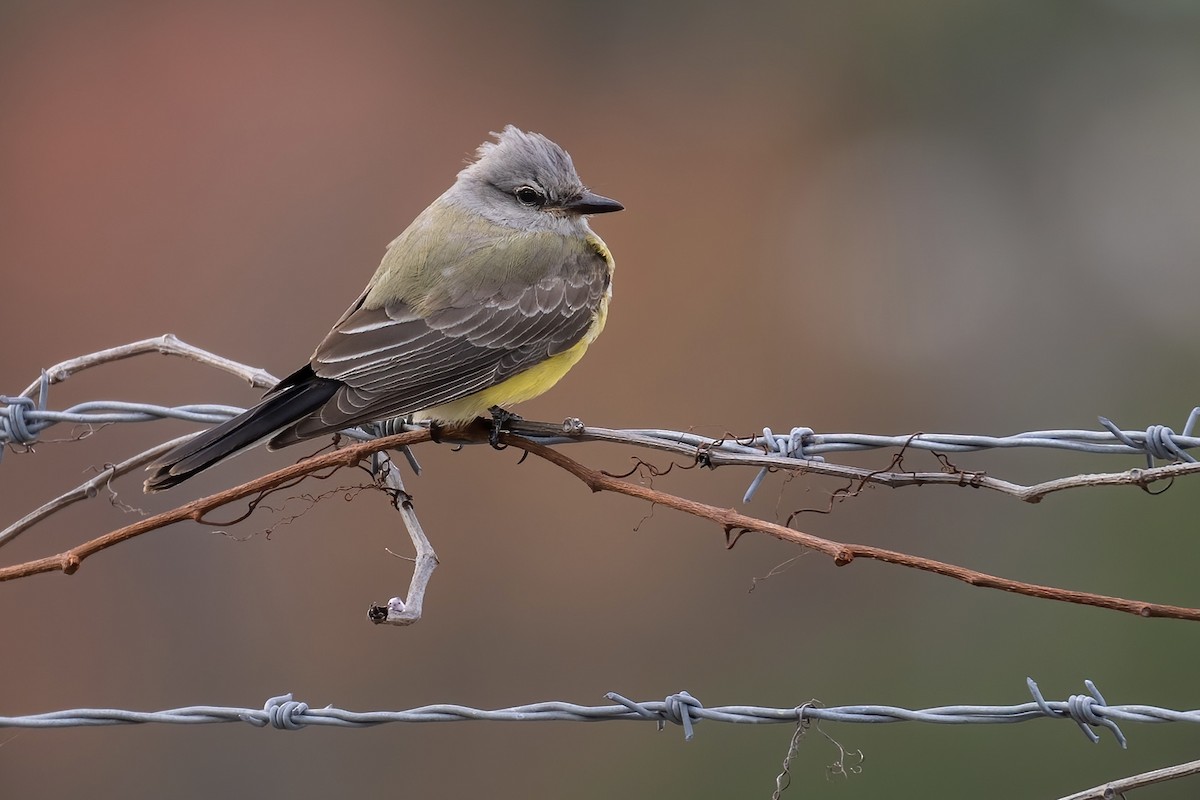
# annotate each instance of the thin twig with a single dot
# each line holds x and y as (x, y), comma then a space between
(406, 610)
(167, 344)
(70, 560)
(1031, 493)
(1114, 789)
(733, 522)
(88, 489)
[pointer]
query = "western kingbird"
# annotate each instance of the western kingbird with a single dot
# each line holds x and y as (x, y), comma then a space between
(488, 298)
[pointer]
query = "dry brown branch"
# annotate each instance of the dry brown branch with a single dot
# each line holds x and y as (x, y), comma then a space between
(70, 560)
(734, 523)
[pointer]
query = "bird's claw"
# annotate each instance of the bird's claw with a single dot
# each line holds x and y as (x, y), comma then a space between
(500, 418)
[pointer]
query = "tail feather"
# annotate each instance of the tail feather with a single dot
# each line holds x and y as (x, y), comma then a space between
(295, 397)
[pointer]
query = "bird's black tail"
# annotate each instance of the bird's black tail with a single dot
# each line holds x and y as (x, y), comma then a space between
(295, 397)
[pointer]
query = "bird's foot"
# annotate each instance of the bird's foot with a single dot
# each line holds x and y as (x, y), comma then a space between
(500, 418)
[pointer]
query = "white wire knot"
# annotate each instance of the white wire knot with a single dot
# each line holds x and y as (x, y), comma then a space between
(1080, 709)
(1158, 441)
(674, 709)
(281, 712)
(789, 446)
(15, 427)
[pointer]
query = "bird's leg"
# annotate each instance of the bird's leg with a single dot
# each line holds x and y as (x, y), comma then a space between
(500, 418)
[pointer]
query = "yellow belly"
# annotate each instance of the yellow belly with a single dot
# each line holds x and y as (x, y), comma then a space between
(521, 387)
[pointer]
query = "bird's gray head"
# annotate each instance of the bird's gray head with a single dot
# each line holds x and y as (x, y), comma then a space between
(524, 180)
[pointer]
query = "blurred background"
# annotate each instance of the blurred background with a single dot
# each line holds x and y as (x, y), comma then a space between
(869, 216)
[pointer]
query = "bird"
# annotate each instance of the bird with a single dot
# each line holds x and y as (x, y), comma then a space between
(487, 299)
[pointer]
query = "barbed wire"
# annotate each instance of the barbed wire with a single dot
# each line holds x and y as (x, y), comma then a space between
(1089, 711)
(23, 419)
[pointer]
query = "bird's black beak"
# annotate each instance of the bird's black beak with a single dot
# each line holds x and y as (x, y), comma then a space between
(591, 203)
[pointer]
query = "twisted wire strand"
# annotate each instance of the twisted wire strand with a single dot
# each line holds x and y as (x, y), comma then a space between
(1089, 712)
(22, 419)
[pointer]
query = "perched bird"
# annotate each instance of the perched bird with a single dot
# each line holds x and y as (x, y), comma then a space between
(488, 298)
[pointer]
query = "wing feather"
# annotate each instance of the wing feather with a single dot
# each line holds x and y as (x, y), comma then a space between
(393, 360)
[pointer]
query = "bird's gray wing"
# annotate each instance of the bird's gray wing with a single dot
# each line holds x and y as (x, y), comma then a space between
(392, 360)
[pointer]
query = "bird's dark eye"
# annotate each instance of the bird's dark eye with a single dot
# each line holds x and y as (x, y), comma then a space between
(529, 196)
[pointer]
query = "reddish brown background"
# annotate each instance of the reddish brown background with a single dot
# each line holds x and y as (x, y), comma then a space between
(873, 217)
